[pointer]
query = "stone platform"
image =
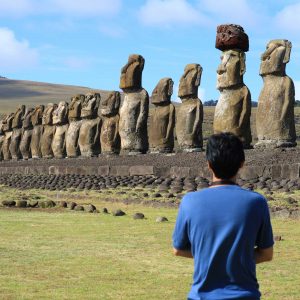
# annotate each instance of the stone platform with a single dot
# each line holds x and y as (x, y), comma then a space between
(275, 164)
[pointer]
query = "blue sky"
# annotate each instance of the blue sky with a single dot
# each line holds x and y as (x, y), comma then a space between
(87, 42)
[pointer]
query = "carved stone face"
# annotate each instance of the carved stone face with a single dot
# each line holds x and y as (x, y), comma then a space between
(18, 117)
(75, 106)
(48, 114)
(275, 58)
(90, 105)
(7, 122)
(231, 69)
(131, 73)
(27, 118)
(110, 105)
(60, 114)
(163, 91)
(37, 115)
(190, 81)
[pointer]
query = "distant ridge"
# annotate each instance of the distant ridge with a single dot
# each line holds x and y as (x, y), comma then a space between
(32, 93)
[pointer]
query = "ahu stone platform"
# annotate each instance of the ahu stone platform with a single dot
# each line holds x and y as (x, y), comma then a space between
(274, 164)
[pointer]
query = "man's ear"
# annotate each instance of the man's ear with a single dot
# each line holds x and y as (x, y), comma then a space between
(242, 164)
(209, 166)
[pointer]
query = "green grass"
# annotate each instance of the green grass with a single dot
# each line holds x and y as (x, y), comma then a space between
(60, 254)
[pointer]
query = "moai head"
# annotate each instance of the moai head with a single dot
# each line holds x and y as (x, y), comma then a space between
(75, 106)
(37, 115)
(48, 114)
(60, 114)
(27, 118)
(275, 58)
(131, 73)
(162, 92)
(18, 117)
(90, 105)
(231, 69)
(190, 81)
(110, 105)
(7, 122)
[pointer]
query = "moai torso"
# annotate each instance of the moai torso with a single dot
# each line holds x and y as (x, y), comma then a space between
(189, 115)
(48, 131)
(162, 120)
(72, 147)
(275, 123)
(7, 129)
(233, 110)
(60, 121)
(2, 136)
(90, 128)
(36, 121)
(27, 129)
(109, 137)
(17, 123)
(134, 109)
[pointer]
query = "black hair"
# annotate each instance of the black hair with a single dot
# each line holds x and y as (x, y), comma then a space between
(225, 154)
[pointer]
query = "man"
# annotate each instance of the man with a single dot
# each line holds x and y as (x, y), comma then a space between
(225, 228)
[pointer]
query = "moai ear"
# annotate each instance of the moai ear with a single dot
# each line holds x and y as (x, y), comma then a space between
(288, 48)
(243, 63)
(117, 102)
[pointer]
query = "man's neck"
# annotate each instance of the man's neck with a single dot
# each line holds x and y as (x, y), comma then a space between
(223, 181)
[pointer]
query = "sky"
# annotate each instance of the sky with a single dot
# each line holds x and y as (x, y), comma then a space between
(86, 43)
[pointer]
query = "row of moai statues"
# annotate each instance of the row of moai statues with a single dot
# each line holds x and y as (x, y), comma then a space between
(90, 126)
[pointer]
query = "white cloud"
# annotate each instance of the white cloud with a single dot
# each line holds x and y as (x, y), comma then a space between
(71, 8)
(15, 54)
(288, 18)
(170, 12)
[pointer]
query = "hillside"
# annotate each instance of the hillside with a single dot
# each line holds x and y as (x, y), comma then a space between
(31, 93)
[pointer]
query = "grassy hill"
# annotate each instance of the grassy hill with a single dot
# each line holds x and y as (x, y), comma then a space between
(31, 93)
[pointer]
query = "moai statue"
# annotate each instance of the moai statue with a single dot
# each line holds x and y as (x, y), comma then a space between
(36, 121)
(75, 122)
(60, 121)
(48, 131)
(109, 111)
(275, 123)
(7, 129)
(233, 110)
(89, 140)
(189, 116)
(17, 123)
(135, 108)
(27, 129)
(162, 120)
(2, 136)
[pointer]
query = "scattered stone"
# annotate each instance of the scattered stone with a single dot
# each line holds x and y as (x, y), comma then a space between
(79, 208)
(47, 204)
(90, 208)
(161, 219)
(21, 203)
(63, 204)
(138, 216)
(72, 205)
(118, 213)
(105, 210)
(9, 203)
(32, 203)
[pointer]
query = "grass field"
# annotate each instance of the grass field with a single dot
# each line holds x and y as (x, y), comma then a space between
(61, 254)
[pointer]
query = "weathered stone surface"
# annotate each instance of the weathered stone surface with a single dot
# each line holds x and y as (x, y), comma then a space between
(231, 36)
(162, 120)
(60, 120)
(275, 122)
(189, 116)
(7, 129)
(1, 139)
(138, 216)
(135, 107)
(109, 111)
(72, 147)
(47, 204)
(233, 110)
(161, 219)
(26, 134)
(118, 213)
(36, 120)
(9, 203)
(21, 203)
(91, 126)
(17, 121)
(48, 131)
(141, 170)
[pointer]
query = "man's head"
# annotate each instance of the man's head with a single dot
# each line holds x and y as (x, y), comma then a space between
(225, 155)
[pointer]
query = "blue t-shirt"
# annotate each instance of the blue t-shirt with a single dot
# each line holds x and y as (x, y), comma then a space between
(221, 226)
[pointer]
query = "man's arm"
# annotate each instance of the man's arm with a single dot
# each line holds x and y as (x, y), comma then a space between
(263, 255)
(183, 253)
